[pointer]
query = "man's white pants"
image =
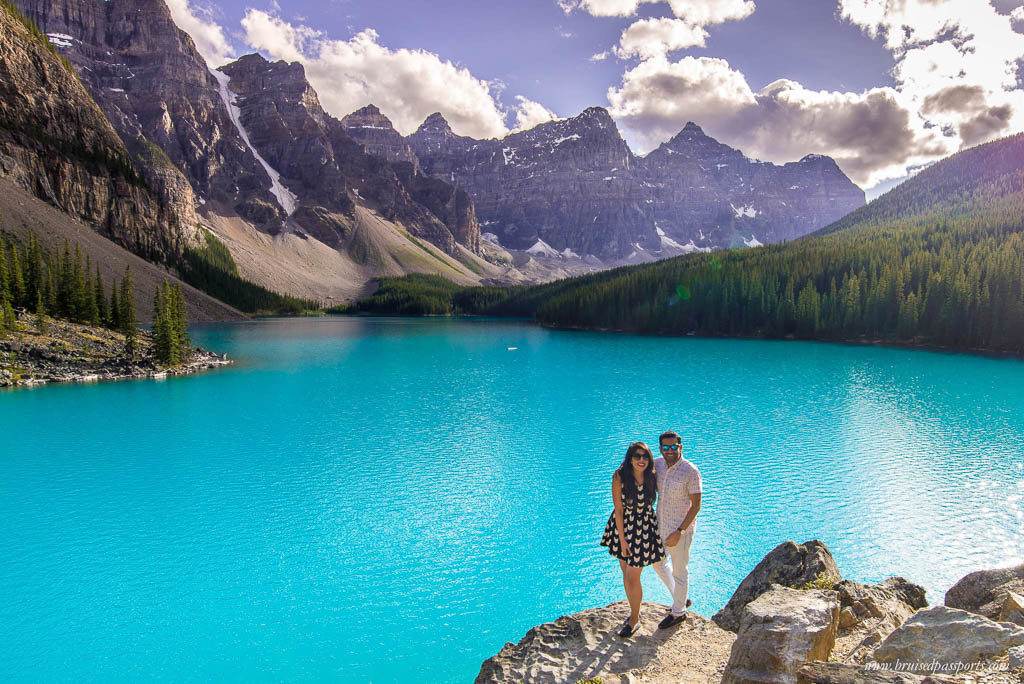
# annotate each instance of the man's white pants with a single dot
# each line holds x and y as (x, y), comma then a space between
(675, 575)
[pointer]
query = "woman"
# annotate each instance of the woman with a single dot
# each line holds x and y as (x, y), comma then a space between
(631, 534)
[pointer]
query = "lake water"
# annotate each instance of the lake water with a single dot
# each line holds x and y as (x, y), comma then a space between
(382, 500)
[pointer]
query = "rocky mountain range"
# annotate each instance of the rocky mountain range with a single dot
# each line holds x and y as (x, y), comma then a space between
(573, 187)
(317, 206)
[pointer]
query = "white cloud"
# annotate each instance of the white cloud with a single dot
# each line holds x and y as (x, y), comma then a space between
(872, 135)
(694, 12)
(946, 50)
(407, 85)
(647, 38)
(529, 113)
(205, 32)
(599, 57)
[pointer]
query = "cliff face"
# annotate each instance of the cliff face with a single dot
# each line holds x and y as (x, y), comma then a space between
(317, 157)
(56, 143)
(374, 132)
(574, 187)
(154, 86)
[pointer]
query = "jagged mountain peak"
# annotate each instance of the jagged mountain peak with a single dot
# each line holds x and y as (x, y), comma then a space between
(368, 116)
(435, 123)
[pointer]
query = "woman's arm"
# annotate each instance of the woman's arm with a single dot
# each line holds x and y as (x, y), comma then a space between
(617, 499)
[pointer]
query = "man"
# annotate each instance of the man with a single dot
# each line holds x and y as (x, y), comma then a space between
(679, 491)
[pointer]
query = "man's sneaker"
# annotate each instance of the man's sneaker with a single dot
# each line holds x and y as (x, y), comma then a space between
(671, 620)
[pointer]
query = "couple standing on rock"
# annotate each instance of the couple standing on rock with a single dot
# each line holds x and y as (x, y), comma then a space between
(638, 536)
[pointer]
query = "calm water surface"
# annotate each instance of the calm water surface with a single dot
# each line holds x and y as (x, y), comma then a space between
(394, 499)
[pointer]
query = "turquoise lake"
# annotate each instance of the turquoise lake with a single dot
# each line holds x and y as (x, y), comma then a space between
(374, 499)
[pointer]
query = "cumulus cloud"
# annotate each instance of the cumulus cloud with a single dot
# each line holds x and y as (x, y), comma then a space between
(599, 57)
(657, 36)
(872, 135)
(694, 12)
(407, 85)
(529, 113)
(207, 35)
(957, 61)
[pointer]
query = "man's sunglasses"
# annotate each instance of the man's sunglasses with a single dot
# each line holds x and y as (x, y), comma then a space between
(670, 447)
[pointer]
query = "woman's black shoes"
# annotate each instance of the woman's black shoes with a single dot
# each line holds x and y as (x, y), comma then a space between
(628, 630)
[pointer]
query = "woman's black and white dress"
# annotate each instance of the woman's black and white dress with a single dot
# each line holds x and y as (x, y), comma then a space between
(641, 530)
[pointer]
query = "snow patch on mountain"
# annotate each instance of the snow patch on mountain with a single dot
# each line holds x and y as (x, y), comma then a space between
(752, 242)
(747, 211)
(542, 248)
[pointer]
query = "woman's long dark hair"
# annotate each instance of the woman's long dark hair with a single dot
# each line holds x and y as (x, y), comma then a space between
(625, 473)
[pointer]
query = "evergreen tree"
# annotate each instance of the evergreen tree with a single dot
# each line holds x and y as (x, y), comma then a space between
(99, 298)
(10, 321)
(5, 280)
(114, 319)
(17, 278)
(126, 310)
(180, 321)
(164, 348)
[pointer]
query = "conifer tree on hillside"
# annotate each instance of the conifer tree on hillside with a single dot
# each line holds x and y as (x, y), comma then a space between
(114, 319)
(17, 278)
(5, 280)
(99, 298)
(126, 309)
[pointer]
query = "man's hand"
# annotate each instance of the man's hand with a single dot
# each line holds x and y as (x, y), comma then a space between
(673, 538)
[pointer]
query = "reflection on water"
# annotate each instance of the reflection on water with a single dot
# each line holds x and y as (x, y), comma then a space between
(357, 484)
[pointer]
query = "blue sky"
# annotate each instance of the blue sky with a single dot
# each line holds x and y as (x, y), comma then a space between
(883, 86)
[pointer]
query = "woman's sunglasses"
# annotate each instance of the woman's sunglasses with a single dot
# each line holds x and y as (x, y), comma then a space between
(643, 457)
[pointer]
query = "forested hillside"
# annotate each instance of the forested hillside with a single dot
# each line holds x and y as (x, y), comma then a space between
(937, 261)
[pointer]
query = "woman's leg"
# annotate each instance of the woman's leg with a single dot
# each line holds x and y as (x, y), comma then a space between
(634, 590)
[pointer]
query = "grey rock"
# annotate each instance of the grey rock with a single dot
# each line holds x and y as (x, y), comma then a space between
(1016, 657)
(788, 564)
(948, 635)
(875, 610)
(844, 673)
(779, 632)
(984, 591)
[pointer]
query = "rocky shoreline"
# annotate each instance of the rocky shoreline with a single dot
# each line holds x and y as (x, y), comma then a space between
(60, 351)
(793, 620)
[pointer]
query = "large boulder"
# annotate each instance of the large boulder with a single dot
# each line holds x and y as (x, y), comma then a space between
(947, 635)
(780, 631)
(984, 592)
(789, 564)
(870, 612)
(587, 645)
(845, 673)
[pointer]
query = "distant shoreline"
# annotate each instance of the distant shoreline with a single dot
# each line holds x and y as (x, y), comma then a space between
(855, 342)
